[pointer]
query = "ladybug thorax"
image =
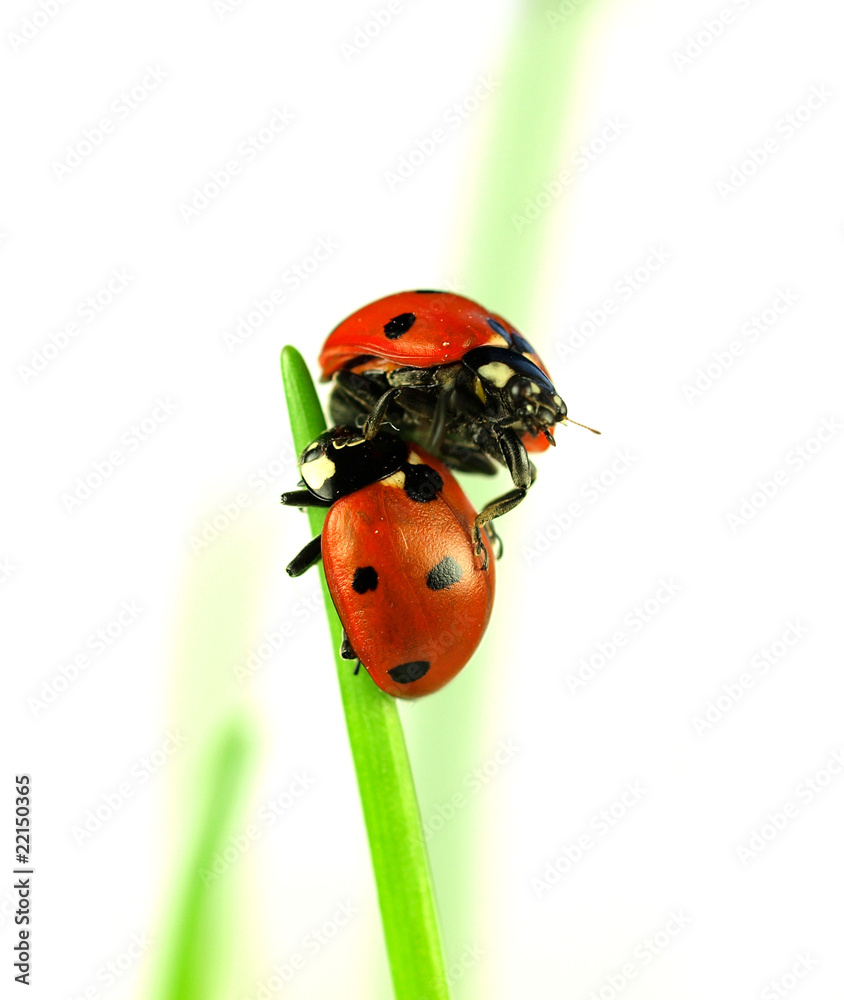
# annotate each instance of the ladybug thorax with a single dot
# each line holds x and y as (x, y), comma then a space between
(341, 461)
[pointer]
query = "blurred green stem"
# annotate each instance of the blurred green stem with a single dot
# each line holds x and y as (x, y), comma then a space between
(385, 781)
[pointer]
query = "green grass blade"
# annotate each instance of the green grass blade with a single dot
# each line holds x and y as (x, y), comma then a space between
(504, 264)
(197, 962)
(385, 781)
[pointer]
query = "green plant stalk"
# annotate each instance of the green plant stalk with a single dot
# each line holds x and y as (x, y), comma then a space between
(196, 962)
(385, 781)
(502, 265)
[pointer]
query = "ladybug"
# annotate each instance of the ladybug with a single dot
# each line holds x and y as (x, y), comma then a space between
(397, 545)
(441, 362)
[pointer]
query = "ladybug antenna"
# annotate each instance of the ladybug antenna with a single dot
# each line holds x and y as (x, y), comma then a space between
(568, 420)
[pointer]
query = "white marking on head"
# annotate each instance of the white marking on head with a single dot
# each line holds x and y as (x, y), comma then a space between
(414, 458)
(397, 479)
(348, 442)
(317, 471)
(496, 372)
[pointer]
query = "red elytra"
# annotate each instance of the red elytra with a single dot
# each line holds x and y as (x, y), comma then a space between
(408, 586)
(444, 328)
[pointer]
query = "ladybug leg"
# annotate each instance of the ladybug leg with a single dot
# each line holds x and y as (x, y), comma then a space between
(466, 457)
(444, 404)
(379, 411)
(354, 397)
(494, 509)
(495, 538)
(309, 556)
(523, 472)
(303, 498)
(366, 400)
(480, 548)
(346, 650)
(347, 653)
(367, 394)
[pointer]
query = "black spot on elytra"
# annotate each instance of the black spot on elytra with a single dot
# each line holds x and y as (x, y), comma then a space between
(407, 673)
(520, 344)
(422, 483)
(429, 291)
(399, 325)
(445, 574)
(499, 329)
(365, 579)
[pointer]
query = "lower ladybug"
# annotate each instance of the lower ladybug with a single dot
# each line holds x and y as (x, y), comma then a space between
(443, 365)
(413, 595)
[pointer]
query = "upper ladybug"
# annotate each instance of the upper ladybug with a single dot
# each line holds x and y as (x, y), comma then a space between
(441, 363)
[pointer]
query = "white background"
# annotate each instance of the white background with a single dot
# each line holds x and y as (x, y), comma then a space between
(663, 514)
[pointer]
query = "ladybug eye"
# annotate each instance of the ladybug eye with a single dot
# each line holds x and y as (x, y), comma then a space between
(521, 388)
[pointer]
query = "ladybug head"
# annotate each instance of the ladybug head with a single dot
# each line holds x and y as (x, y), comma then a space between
(523, 392)
(341, 461)
(532, 404)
